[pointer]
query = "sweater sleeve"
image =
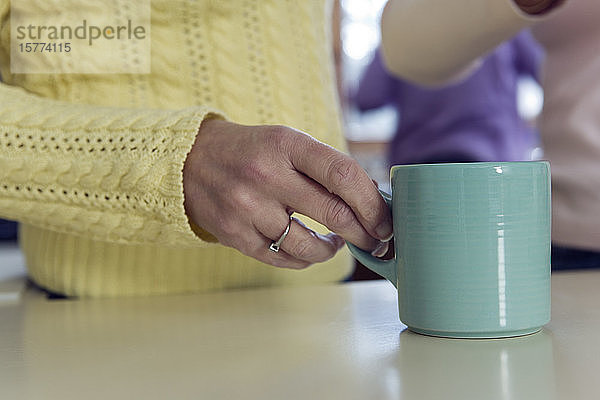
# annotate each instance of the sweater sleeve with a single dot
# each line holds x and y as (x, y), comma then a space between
(431, 41)
(112, 174)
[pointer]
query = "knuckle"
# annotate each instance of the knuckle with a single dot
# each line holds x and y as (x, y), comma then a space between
(229, 234)
(302, 249)
(244, 200)
(338, 215)
(278, 135)
(259, 169)
(284, 139)
(370, 212)
(276, 130)
(252, 249)
(265, 164)
(343, 172)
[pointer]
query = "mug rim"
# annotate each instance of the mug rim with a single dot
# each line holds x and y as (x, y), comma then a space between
(469, 164)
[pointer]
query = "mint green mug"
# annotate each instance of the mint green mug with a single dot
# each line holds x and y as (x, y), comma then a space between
(472, 248)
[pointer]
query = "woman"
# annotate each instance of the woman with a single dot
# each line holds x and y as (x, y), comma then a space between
(122, 181)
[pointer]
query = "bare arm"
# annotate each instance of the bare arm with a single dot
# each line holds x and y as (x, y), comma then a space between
(431, 41)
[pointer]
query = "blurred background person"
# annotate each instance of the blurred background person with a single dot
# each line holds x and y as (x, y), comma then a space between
(375, 122)
(474, 118)
(431, 41)
(448, 38)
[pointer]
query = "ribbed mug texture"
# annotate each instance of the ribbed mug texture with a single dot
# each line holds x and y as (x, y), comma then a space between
(473, 247)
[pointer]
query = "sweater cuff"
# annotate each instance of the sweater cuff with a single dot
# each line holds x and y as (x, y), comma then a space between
(185, 134)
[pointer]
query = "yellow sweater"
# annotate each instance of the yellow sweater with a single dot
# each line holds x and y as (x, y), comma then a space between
(91, 165)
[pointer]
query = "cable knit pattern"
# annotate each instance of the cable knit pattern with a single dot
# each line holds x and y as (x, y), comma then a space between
(109, 174)
(92, 164)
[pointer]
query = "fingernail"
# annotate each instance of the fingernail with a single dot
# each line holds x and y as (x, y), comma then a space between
(384, 231)
(337, 240)
(381, 249)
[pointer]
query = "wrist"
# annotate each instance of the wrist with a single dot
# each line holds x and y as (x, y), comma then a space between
(536, 7)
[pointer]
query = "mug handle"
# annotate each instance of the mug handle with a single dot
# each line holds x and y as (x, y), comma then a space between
(385, 268)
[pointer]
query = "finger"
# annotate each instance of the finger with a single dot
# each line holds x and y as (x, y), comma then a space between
(301, 242)
(305, 244)
(256, 245)
(341, 175)
(309, 198)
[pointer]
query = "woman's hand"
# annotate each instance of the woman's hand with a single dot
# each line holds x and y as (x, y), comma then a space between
(242, 182)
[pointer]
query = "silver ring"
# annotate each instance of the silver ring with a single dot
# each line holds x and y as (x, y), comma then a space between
(274, 246)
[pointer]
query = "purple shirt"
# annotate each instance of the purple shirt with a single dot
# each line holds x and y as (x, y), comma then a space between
(475, 119)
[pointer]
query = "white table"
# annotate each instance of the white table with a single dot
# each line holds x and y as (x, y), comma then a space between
(322, 342)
